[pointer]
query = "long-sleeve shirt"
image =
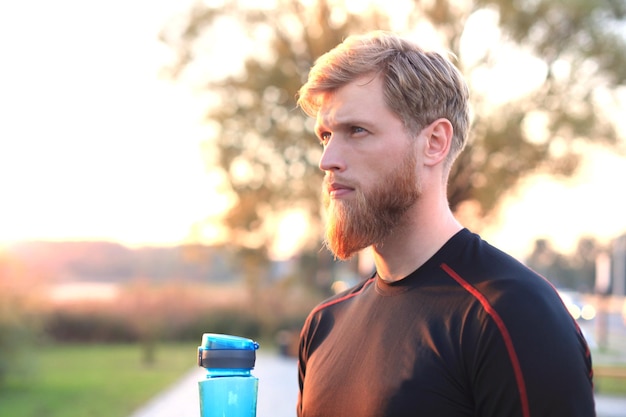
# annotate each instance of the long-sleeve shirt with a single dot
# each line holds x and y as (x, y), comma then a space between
(472, 332)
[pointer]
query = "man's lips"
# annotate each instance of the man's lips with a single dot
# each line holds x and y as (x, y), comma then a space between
(337, 189)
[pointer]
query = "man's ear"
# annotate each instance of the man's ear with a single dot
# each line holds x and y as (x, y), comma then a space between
(438, 138)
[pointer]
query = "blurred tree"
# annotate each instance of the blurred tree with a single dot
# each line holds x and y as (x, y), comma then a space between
(540, 73)
(19, 324)
(575, 271)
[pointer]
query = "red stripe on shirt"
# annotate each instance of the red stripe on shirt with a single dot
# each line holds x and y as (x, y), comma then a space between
(345, 297)
(517, 369)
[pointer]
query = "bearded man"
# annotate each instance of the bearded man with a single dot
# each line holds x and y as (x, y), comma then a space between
(448, 325)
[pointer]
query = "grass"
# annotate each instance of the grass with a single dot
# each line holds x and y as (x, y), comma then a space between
(610, 370)
(611, 386)
(92, 380)
(610, 379)
(112, 381)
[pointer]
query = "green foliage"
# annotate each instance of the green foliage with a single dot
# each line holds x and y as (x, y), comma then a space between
(106, 326)
(582, 57)
(148, 314)
(94, 326)
(265, 145)
(92, 380)
(19, 326)
(226, 321)
(16, 342)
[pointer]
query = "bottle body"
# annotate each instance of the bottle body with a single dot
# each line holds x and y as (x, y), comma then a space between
(228, 396)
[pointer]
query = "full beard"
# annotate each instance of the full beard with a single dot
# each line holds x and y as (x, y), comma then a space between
(371, 217)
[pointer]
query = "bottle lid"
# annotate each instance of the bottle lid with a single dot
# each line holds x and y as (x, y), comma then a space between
(222, 351)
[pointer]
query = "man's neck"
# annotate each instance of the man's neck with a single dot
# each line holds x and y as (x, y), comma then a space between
(414, 242)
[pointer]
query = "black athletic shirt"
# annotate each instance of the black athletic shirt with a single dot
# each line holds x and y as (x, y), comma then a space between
(472, 332)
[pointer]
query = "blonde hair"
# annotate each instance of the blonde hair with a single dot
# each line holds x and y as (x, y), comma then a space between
(419, 86)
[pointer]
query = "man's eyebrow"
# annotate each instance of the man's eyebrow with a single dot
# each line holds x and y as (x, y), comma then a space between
(318, 128)
(343, 123)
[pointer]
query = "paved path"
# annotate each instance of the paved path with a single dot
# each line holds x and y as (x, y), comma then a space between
(278, 390)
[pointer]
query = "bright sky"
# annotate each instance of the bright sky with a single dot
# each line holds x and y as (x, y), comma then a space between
(93, 145)
(591, 204)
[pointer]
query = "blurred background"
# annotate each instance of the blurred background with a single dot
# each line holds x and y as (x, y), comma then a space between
(157, 180)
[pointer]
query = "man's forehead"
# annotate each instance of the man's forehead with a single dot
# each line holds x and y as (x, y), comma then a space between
(340, 112)
(355, 100)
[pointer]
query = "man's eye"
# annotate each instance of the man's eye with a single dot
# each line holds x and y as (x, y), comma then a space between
(357, 130)
(325, 137)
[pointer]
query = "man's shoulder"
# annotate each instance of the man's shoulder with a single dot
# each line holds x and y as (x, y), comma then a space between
(345, 295)
(482, 265)
(467, 251)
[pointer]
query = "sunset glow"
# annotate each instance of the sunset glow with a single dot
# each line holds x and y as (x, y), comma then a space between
(95, 146)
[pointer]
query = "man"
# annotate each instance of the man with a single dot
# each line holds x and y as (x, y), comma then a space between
(448, 325)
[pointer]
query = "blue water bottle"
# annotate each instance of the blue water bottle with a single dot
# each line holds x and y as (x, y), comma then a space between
(230, 389)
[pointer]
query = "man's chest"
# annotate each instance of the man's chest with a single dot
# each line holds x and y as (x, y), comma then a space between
(373, 365)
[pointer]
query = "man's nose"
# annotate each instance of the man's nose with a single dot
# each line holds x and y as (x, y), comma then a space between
(332, 158)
